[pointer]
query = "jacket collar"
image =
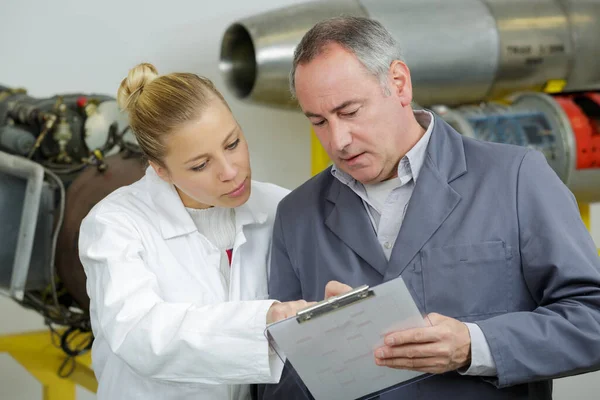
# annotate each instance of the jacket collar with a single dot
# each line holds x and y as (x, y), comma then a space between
(446, 151)
(175, 221)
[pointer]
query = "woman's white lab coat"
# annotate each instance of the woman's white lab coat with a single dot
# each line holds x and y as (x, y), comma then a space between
(165, 324)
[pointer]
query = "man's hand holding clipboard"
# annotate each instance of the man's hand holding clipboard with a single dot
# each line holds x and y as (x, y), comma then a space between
(444, 346)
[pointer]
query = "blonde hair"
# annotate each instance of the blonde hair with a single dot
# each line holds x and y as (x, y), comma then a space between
(159, 104)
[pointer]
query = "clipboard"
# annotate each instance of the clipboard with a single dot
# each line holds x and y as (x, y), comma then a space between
(331, 344)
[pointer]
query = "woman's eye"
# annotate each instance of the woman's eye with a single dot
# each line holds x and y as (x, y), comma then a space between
(233, 145)
(199, 167)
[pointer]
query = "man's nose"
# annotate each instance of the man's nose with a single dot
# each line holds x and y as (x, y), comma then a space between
(340, 136)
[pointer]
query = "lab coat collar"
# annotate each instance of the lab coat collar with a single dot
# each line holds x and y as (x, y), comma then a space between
(174, 219)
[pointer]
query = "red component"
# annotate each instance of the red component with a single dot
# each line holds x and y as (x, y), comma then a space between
(82, 102)
(229, 254)
(586, 129)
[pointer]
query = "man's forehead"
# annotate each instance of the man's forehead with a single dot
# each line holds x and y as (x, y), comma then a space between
(326, 72)
(319, 105)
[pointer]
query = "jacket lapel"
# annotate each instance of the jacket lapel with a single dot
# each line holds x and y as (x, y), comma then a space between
(433, 199)
(349, 221)
(430, 204)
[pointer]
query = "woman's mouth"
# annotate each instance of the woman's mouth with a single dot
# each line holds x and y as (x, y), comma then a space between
(238, 191)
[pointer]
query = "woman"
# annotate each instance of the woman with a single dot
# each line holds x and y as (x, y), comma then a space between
(176, 263)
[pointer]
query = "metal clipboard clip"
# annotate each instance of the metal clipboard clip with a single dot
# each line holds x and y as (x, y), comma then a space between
(334, 303)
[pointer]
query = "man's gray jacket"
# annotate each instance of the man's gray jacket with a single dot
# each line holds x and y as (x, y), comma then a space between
(491, 236)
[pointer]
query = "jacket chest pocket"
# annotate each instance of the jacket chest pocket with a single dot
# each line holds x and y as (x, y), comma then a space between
(467, 281)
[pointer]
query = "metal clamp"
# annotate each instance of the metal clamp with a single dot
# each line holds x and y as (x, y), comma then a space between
(334, 303)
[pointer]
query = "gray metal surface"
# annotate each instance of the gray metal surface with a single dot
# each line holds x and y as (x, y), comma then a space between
(257, 52)
(459, 52)
(451, 47)
(584, 21)
(38, 277)
(16, 140)
(21, 183)
(535, 45)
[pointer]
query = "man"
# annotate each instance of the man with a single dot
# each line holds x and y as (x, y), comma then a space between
(486, 237)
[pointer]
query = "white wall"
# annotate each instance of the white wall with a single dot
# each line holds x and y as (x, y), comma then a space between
(67, 45)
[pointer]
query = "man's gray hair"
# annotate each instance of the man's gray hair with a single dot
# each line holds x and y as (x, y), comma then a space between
(367, 39)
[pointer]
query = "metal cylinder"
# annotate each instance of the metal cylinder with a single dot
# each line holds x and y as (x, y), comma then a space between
(534, 44)
(449, 62)
(257, 52)
(565, 128)
(15, 140)
(584, 23)
(459, 52)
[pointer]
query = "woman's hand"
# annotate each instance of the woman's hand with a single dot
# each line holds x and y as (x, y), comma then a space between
(280, 311)
(335, 288)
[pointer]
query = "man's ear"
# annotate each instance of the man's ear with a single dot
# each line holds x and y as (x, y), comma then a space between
(401, 85)
(161, 171)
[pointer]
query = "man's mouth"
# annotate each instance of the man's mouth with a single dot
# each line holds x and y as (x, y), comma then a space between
(352, 158)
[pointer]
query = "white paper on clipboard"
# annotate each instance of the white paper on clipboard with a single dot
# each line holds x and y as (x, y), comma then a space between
(332, 348)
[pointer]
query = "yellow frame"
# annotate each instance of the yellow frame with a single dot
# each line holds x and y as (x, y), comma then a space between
(319, 160)
(38, 355)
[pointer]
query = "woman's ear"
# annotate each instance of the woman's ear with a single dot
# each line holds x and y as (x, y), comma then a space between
(161, 171)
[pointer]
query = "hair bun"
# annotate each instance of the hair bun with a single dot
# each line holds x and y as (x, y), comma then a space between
(133, 85)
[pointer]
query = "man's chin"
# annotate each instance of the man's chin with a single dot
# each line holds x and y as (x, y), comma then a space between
(364, 175)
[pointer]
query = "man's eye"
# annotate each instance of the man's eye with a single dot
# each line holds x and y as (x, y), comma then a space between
(320, 123)
(233, 145)
(350, 114)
